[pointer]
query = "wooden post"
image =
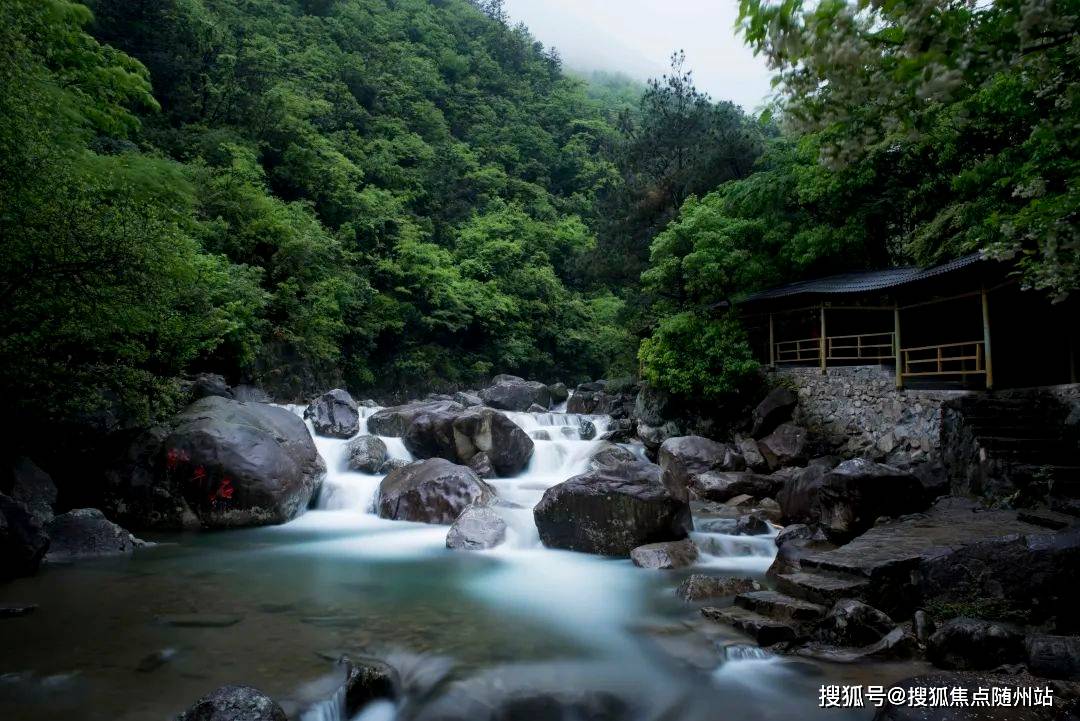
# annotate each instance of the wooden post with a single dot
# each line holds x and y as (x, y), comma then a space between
(821, 345)
(896, 347)
(986, 341)
(772, 344)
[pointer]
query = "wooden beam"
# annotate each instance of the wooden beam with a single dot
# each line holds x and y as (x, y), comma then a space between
(896, 342)
(821, 345)
(986, 341)
(772, 344)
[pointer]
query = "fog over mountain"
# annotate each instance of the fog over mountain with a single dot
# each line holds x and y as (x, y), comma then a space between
(636, 37)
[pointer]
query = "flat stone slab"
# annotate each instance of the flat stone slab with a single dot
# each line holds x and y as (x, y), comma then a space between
(951, 524)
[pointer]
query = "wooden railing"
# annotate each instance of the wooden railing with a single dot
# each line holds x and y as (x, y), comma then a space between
(947, 359)
(864, 347)
(798, 351)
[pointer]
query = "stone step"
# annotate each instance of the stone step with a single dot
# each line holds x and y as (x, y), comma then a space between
(766, 631)
(823, 588)
(780, 606)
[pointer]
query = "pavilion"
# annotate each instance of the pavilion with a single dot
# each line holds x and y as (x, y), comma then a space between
(964, 324)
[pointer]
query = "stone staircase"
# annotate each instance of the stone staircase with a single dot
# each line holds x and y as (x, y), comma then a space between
(998, 445)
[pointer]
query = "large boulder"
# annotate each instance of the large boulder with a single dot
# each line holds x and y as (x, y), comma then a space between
(431, 491)
(513, 394)
(785, 446)
(334, 414)
(23, 540)
(721, 487)
(482, 430)
(973, 644)
(468, 399)
(29, 484)
(611, 511)
(682, 458)
(857, 492)
(593, 399)
(476, 529)
(142, 491)
(86, 533)
(394, 421)
(558, 392)
(430, 433)
(652, 437)
(234, 703)
(239, 464)
(366, 454)
(775, 409)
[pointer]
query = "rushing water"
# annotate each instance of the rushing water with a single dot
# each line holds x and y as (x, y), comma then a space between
(141, 638)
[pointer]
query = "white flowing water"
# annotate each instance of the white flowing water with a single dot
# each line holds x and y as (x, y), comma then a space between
(274, 607)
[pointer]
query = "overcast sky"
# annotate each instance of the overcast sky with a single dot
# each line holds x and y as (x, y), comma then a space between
(638, 36)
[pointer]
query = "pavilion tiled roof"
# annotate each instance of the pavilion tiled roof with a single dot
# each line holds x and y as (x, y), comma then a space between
(863, 282)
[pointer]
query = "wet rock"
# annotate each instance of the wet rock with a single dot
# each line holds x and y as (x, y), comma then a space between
(394, 421)
(30, 485)
(234, 464)
(775, 409)
(368, 680)
(665, 555)
(853, 623)
(700, 587)
(516, 395)
(654, 436)
(210, 384)
(621, 430)
(784, 446)
(432, 491)
(468, 399)
(366, 454)
(86, 533)
(973, 644)
(558, 392)
(537, 408)
(1055, 657)
(586, 430)
(393, 464)
(721, 487)
(896, 644)
(23, 540)
(611, 511)
(609, 454)
(251, 394)
(430, 433)
(798, 497)
(770, 509)
(334, 414)
(139, 495)
(482, 430)
(793, 543)
(234, 703)
(748, 449)
(683, 458)
(752, 524)
(924, 627)
(740, 501)
(14, 610)
(481, 466)
(476, 529)
(855, 493)
(590, 400)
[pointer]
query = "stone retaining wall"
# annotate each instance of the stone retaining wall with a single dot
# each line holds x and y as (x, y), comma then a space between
(857, 410)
